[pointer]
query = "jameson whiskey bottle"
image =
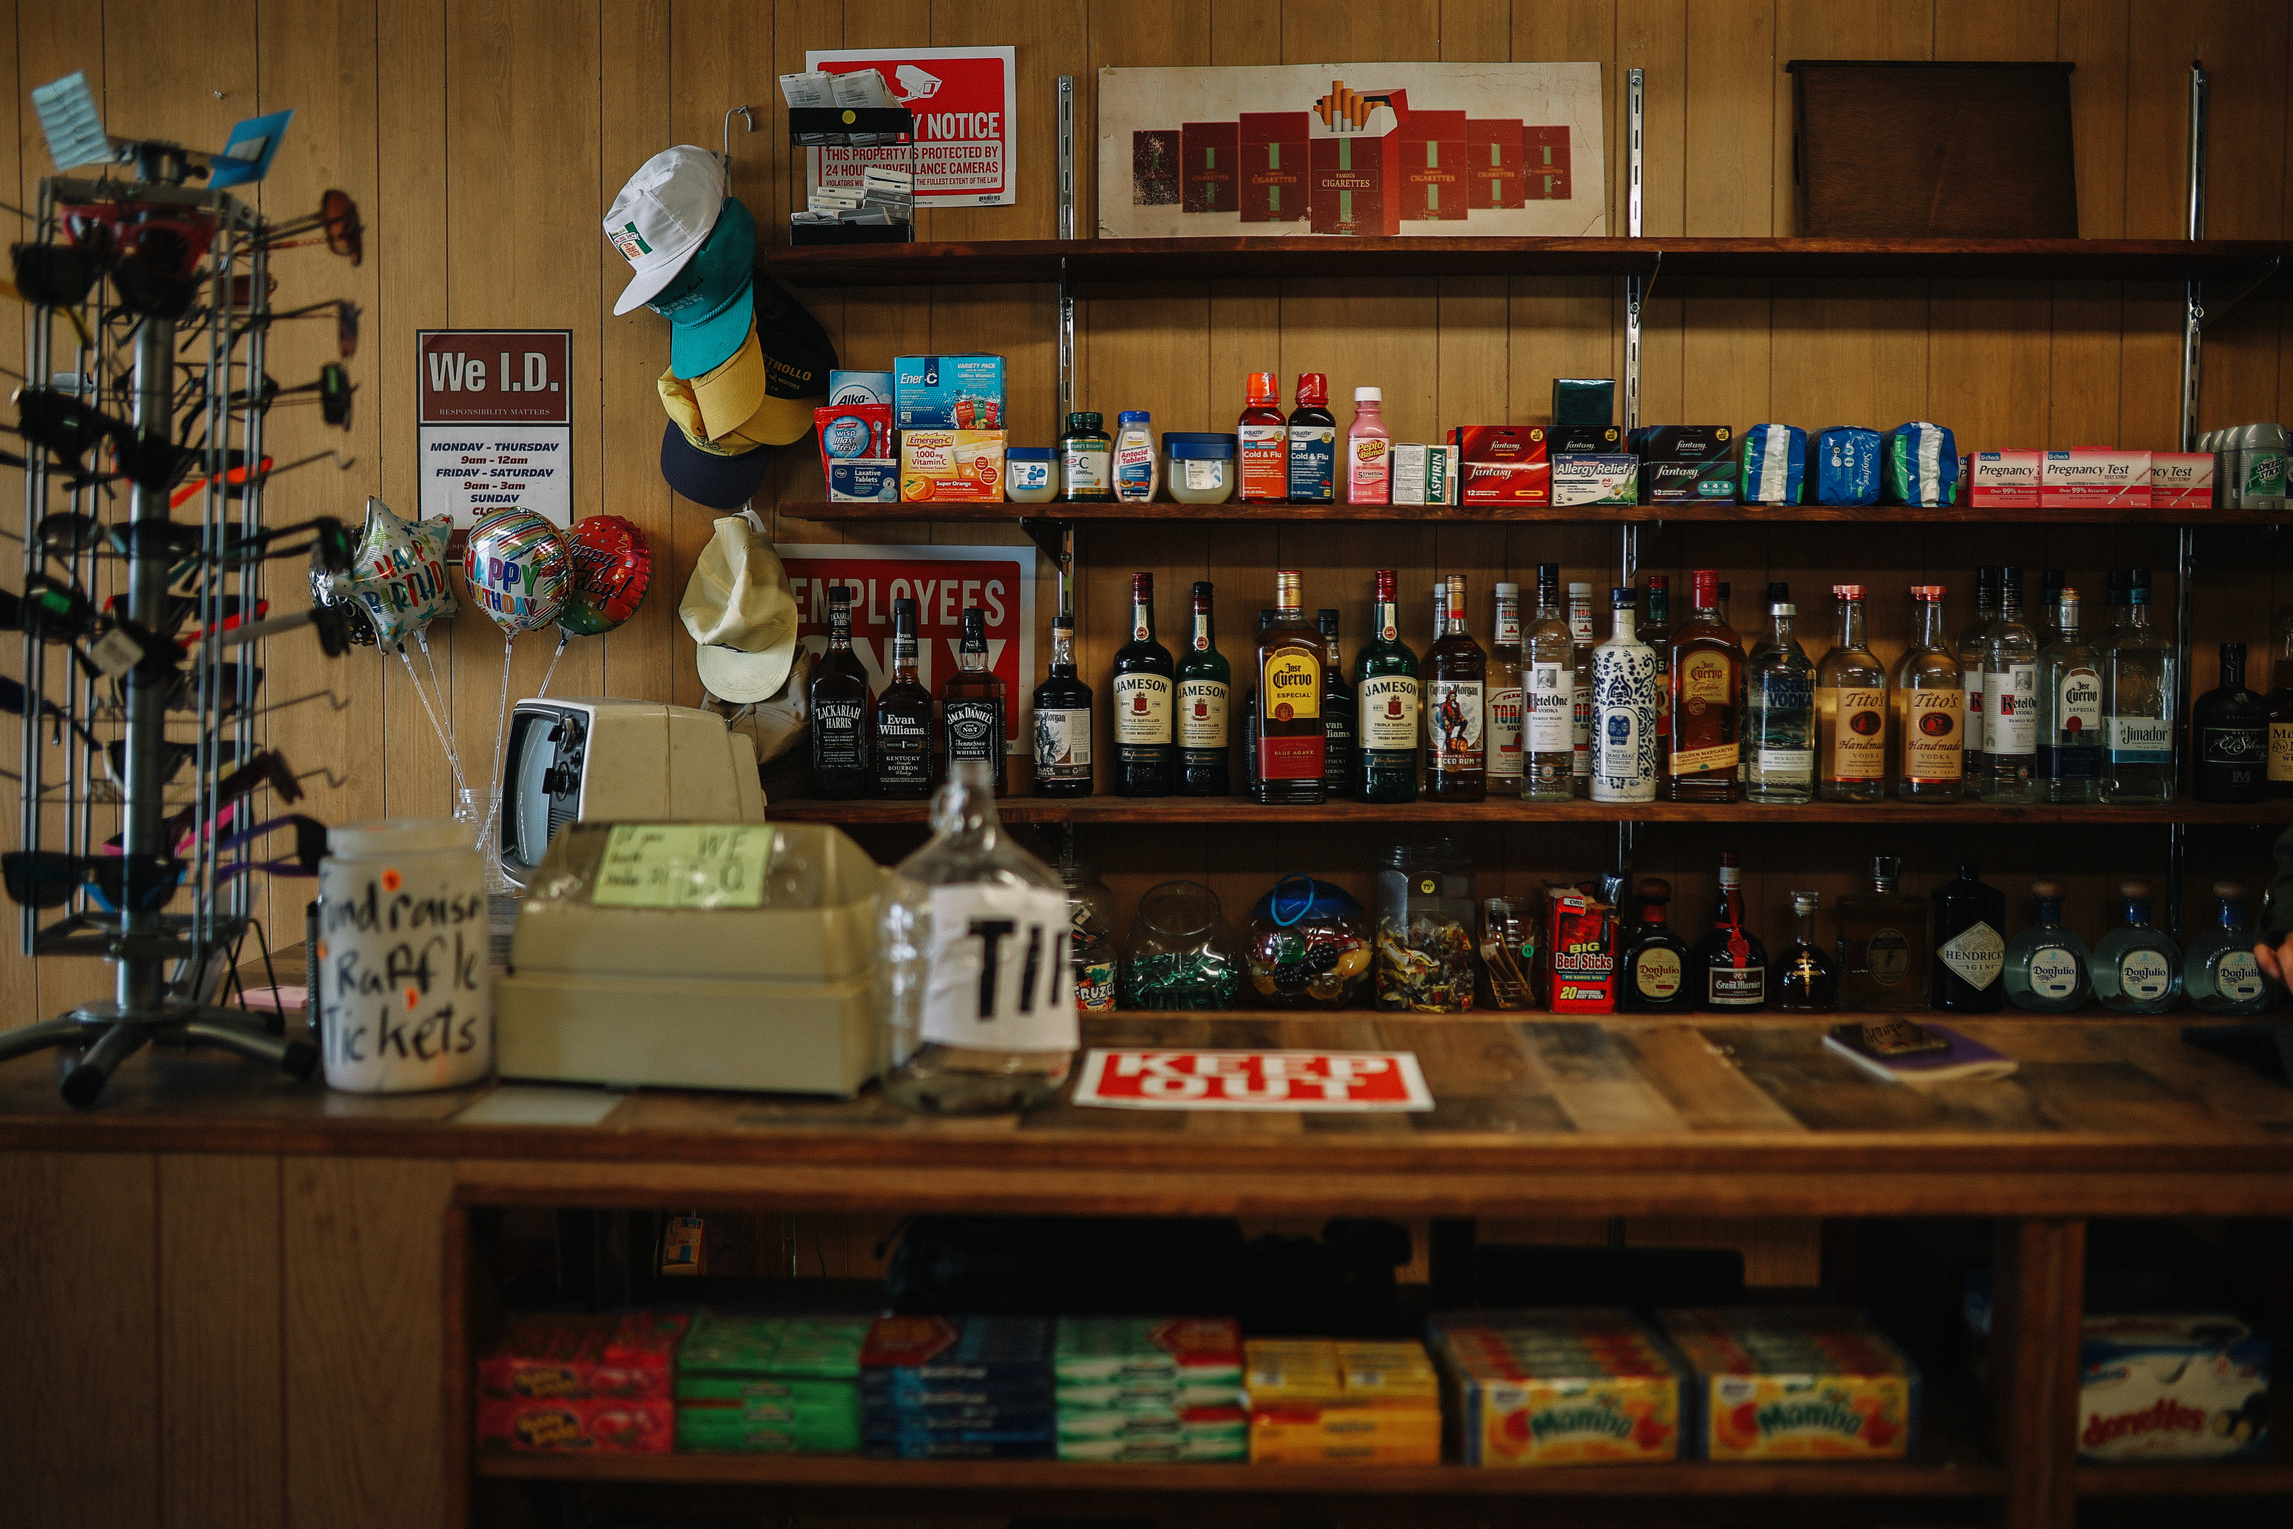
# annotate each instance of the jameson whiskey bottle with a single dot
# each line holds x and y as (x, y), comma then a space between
(1504, 705)
(1062, 720)
(1205, 681)
(1291, 658)
(971, 705)
(1341, 721)
(1385, 700)
(839, 704)
(1142, 694)
(904, 717)
(1456, 677)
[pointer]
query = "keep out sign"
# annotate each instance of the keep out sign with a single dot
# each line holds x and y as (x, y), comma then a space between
(1154, 1079)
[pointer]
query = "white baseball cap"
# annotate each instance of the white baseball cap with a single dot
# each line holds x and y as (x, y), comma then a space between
(662, 216)
(741, 613)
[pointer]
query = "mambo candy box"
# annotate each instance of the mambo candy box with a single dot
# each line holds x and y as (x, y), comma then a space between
(1793, 1383)
(948, 392)
(1502, 464)
(2172, 1388)
(951, 465)
(1576, 1386)
(580, 1357)
(2094, 475)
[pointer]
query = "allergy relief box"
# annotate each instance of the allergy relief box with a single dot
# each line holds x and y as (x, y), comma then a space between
(2091, 476)
(964, 466)
(2172, 1388)
(1561, 1386)
(1601, 479)
(948, 392)
(2181, 480)
(1502, 464)
(2001, 480)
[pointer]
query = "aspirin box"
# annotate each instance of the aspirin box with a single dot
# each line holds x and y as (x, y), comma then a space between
(2172, 1388)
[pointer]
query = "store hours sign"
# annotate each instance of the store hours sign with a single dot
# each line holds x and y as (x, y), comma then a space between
(495, 427)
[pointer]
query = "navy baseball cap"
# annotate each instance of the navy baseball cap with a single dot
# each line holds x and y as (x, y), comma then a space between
(712, 299)
(708, 477)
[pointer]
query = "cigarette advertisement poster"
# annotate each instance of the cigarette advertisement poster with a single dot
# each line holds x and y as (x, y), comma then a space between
(1353, 151)
(965, 100)
(942, 581)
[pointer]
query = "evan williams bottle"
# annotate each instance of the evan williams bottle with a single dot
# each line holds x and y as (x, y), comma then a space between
(1291, 659)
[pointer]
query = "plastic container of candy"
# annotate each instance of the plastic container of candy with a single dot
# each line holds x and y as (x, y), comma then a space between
(1425, 929)
(1181, 954)
(1308, 945)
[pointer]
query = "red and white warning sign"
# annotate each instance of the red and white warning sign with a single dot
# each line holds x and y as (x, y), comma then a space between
(963, 98)
(1148, 1078)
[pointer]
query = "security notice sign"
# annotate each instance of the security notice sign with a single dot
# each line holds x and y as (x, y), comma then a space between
(964, 100)
(1150, 1078)
(495, 427)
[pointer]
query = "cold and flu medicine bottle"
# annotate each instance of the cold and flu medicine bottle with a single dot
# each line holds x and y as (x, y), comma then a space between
(1369, 451)
(1313, 443)
(1263, 438)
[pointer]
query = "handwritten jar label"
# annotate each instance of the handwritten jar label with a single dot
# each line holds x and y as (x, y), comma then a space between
(401, 973)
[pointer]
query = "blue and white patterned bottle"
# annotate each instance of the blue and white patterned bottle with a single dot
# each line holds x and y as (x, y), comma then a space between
(1624, 708)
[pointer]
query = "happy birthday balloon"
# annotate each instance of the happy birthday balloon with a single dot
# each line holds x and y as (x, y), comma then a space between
(356, 626)
(398, 573)
(611, 568)
(520, 570)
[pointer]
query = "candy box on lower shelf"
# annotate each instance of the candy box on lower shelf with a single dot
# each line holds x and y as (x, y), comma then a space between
(2172, 1388)
(1794, 1383)
(626, 1356)
(1557, 1387)
(1317, 1400)
(576, 1425)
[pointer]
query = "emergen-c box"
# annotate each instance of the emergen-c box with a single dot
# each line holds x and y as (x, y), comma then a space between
(2002, 480)
(2090, 476)
(2181, 480)
(948, 392)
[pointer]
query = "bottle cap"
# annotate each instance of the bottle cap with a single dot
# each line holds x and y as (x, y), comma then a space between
(2233, 653)
(908, 608)
(1289, 585)
(1970, 873)
(2134, 891)
(1580, 587)
(1986, 578)
(1142, 586)
(1508, 591)
(1387, 580)
(1369, 395)
(1260, 390)
(1624, 595)
(1063, 622)
(1778, 590)
(1313, 389)
(2056, 578)
(1087, 419)
(1847, 591)
(1931, 594)
(1550, 573)
(1655, 889)
(974, 623)
(1660, 581)
(2047, 891)
(1201, 593)
(1132, 417)
(838, 594)
(1783, 608)
(1327, 616)
(1706, 583)
(1805, 902)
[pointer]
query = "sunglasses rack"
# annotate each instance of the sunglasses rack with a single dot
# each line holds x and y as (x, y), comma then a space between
(146, 345)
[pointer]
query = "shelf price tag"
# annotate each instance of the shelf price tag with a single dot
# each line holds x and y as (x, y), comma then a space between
(1150, 1078)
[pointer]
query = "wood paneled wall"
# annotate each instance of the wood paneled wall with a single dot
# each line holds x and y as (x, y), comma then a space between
(483, 140)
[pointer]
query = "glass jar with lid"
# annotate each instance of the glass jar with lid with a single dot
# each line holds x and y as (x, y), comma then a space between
(1091, 937)
(1309, 944)
(1198, 468)
(1181, 954)
(1425, 928)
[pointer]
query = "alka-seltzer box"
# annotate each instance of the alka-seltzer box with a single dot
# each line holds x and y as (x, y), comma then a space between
(1589, 479)
(960, 466)
(2181, 480)
(1565, 1386)
(1578, 972)
(1794, 1383)
(1683, 464)
(2092, 476)
(948, 392)
(2001, 480)
(2172, 1388)
(1502, 464)
(860, 387)
(1424, 474)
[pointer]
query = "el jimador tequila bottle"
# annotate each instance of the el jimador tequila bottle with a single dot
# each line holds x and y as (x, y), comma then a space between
(2138, 706)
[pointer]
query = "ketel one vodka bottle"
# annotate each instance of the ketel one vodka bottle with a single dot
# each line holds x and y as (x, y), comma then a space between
(839, 703)
(971, 705)
(1291, 658)
(1143, 685)
(1385, 700)
(976, 991)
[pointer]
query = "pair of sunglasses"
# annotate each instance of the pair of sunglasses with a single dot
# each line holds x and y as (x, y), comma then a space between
(16, 702)
(46, 878)
(267, 768)
(183, 694)
(333, 387)
(310, 848)
(69, 428)
(337, 224)
(153, 254)
(173, 756)
(345, 313)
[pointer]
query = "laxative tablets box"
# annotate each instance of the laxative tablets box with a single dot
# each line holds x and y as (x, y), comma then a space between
(1601, 479)
(2172, 1388)
(1684, 464)
(1424, 474)
(951, 466)
(1502, 464)
(2181, 480)
(1563, 1386)
(1794, 1383)
(864, 480)
(948, 392)
(2001, 480)
(2091, 476)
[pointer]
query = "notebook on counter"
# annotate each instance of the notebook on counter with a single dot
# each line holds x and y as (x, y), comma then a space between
(1966, 1060)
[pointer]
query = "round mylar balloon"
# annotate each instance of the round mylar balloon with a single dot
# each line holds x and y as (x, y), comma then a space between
(398, 572)
(611, 568)
(520, 569)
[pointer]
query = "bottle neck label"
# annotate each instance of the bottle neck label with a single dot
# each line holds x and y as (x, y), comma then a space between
(1142, 621)
(1201, 638)
(1388, 622)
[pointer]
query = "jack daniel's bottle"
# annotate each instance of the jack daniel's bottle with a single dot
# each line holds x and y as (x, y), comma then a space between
(971, 705)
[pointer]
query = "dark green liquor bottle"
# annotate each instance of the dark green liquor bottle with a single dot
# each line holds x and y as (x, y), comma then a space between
(1250, 711)
(1144, 747)
(1341, 720)
(1205, 684)
(1385, 707)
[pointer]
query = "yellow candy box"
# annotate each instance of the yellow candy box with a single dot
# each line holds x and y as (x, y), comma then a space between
(1795, 1384)
(1558, 1387)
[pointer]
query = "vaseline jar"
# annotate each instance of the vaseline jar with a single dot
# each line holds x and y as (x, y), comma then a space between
(1198, 469)
(1031, 474)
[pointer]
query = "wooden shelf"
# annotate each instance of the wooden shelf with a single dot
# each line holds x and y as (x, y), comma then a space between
(2270, 1478)
(1134, 260)
(864, 812)
(1484, 514)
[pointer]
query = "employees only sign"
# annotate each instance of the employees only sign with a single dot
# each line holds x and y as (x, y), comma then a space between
(964, 100)
(1148, 1078)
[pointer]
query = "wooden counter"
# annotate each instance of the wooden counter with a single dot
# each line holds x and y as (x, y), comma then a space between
(280, 1281)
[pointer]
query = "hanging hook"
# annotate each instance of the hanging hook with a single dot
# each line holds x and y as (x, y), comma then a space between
(746, 115)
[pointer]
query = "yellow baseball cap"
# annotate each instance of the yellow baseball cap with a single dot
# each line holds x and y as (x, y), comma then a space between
(692, 415)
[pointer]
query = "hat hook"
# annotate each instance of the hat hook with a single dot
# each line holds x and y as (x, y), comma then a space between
(745, 115)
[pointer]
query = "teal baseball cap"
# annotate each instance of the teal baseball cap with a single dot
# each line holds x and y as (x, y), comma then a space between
(713, 298)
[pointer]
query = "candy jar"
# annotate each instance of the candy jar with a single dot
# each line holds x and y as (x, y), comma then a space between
(1507, 946)
(1091, 941)
(1425, 929)
(1181, 954)
(1309, 945)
